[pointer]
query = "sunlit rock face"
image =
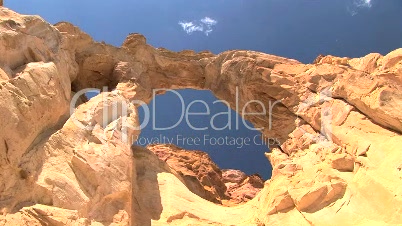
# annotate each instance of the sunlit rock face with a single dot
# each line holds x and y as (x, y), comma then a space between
(338, 124)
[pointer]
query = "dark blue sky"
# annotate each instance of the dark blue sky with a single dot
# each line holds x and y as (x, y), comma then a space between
(231, 148)
(299, 29)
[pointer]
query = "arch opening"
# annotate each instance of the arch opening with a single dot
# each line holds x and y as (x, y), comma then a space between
(186, 123)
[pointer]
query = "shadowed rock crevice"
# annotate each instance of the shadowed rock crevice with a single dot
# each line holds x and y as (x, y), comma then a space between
(146, 198)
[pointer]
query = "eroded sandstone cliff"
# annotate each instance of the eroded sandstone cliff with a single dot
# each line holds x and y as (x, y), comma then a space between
(337, 167)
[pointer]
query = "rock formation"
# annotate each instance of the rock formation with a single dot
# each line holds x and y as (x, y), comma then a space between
(204, 178)
(240, 187)
(338, 122)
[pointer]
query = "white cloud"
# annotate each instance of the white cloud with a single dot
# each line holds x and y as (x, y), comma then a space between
(204, 25)
(357, 5)
(363, 3)
(209, 21)
(190, 27)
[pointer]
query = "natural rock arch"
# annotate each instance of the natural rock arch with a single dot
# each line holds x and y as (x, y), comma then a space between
(296, 120)
(54, 171)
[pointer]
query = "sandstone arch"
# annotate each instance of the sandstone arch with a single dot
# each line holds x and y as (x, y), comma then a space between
(55, 172)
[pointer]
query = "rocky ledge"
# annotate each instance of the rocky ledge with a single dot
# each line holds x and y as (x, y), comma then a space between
(338, 123)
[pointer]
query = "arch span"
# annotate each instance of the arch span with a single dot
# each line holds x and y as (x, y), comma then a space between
(312, 110)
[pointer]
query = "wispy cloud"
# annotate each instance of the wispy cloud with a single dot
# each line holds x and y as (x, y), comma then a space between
(363, 3)
(190, 27)
(204, 25)
(358, 5)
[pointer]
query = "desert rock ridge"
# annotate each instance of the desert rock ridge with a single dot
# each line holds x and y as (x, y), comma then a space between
(59, 168)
